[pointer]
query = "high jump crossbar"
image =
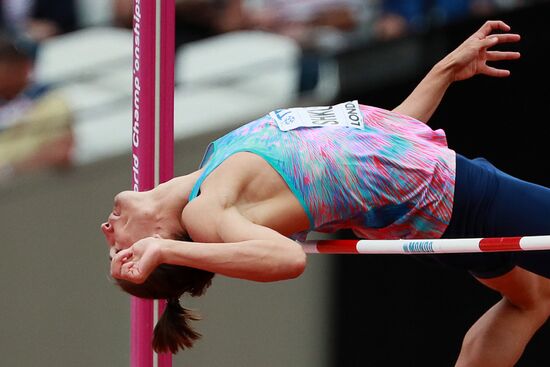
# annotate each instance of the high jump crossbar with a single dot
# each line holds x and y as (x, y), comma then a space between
(428, 246)
(152, 142)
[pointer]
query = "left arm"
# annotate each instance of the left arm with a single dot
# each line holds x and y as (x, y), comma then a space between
(467, 60)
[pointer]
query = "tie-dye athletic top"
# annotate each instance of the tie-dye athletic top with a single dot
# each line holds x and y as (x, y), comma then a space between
(392, 179)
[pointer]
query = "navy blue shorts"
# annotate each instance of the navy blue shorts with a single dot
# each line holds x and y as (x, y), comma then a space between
(491, 203)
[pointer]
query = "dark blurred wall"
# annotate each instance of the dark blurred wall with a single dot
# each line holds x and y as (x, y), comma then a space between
(393, 310)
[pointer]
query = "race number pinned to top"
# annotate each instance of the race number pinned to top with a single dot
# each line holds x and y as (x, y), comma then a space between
(345, 114)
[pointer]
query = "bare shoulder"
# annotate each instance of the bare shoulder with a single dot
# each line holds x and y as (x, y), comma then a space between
(200, 219)
(245, 188)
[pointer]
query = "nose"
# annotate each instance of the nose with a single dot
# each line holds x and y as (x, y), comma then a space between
(108, 231)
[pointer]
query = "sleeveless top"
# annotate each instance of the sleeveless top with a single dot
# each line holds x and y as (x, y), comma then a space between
(393, 178)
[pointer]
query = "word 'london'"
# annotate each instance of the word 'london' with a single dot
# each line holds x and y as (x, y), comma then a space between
(325, 115)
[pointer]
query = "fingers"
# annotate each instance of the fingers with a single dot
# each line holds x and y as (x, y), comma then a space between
(492, 25)
(119, 260)
(125, 266)
(499, 55)
(494, 72)
(130, 271)
(495, 39)
(485, 33)
(504, 38)
(502, 55)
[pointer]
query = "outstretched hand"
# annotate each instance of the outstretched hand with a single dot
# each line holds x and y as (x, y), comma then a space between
(471, 57)
(137, 262)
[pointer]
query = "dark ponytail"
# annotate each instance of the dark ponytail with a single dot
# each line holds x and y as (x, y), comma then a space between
(173, 331)
(170, 282)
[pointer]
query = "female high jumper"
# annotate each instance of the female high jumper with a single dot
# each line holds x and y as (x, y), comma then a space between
(383, 174)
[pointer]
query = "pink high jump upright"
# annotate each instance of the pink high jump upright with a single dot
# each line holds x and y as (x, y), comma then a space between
(152, 142)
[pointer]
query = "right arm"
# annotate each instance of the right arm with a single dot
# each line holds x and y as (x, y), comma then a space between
(467, 60)
(244, 250)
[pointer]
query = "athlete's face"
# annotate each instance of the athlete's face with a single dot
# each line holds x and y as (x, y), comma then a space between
(130, 220)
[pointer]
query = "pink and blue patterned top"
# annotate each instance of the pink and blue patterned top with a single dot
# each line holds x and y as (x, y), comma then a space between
(392, 179)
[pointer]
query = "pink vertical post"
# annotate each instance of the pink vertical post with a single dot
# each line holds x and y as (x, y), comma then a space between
(152, 141)
(167, 78)
(166, 114)
(143, 164)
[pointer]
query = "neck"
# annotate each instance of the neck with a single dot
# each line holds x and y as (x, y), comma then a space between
(172, 197)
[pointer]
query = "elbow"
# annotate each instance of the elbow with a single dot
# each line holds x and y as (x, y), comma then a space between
(286, 263)
(297, 264)
(290, 267)
(301, 263)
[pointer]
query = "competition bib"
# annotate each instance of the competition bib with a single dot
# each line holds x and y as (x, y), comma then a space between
(345, 114)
